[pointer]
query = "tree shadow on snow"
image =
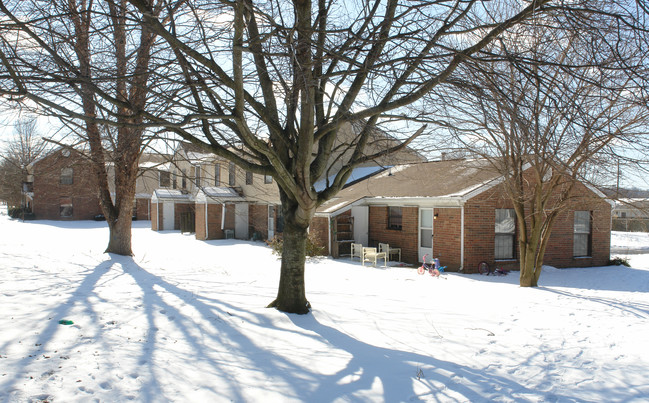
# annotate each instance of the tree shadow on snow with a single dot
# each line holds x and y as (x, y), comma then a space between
(216, 340)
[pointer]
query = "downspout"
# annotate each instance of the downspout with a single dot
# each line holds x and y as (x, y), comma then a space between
(329, 234)
(222, 216)
(461, 239)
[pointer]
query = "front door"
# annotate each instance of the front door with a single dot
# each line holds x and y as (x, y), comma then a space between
(167, 216)
(241, 220)
(361, 224)
(271, 221)
(426, 218)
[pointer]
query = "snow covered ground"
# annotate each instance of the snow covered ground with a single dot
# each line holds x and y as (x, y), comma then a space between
(184, 321)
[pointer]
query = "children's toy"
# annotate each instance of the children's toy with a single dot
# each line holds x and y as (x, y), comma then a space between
(433, 268)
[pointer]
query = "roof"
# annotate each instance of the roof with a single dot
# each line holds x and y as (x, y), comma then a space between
(218, 195)
(170, 194)
(357, 174)
(446, 182)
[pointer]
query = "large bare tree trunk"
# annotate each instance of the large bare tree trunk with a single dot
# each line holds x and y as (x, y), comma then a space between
(291, 295)
(119, 239)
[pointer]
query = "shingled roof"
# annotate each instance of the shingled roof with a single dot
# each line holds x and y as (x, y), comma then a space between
(437, 181)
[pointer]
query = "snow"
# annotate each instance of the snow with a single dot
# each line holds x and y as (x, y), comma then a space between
(184, 321)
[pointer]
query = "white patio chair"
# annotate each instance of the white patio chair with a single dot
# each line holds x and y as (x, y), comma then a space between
(371, 255)
(385, 248)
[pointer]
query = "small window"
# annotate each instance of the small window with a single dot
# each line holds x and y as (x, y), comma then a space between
(67, 175)
(197, 175)
(175, 180)
(183, 179)
(394, 218)
(505, 229)
(65, 208)
(217, 175)
(248, 178)
(582, 234)
(232, 175)
(165, 179)
(268, 179)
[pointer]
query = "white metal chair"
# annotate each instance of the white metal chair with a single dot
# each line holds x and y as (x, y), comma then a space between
(385, 248)
(357, 251)
(371, 255)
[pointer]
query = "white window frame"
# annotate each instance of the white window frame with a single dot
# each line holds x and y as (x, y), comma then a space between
(505, 234)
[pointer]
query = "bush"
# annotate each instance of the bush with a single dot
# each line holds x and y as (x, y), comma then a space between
(312, 249)
(619, 261)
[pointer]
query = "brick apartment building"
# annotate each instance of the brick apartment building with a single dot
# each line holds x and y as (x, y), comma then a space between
(457, 211)
(63, 186)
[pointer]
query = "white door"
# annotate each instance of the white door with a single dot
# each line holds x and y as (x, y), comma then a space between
(426, 218)
(241, 220)
(361, 215)
(167, 216)
(271, 221)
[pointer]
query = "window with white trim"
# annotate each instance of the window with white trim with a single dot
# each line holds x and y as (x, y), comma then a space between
(164, 179)
(505, 229)
(582, 234)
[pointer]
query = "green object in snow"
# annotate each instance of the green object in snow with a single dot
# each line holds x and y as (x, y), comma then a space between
(66, 322)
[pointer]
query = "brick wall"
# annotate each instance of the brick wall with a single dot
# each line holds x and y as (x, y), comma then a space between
(180, 208)
(155, 216)
(319, 232)
(447, 241)
(142, 209)
(480, 215)
(406, 238)
(258, 220)
(49, 191)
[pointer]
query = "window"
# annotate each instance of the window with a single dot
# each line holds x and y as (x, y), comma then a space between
(175, 180)
(268, 179)
(394, 218)
(66, 207)
(505, 229)
(582, 234)
(231, 175)
(217, 175)
(248, 178)
(165, 179)
(197, 175)
(183, 179)
(66, 176)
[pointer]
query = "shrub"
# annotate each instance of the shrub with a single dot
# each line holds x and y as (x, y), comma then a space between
(619, 261)
(312, 249)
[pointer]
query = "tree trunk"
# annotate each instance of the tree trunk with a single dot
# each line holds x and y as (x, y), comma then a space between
(119, 238)
(291, 295)
(529, 275)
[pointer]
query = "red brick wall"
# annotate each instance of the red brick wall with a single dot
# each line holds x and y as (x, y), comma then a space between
(447, 242)
(258, 220)
(479, 232)
(180, 208)
(155, 216)
(142, 209)
(479, 216)
(48, 190)
(406, 238)
(319, 232)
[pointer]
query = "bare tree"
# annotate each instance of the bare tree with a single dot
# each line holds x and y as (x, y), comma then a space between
(269, 85)
(559, 107)
(25, 147)
(88, 63)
